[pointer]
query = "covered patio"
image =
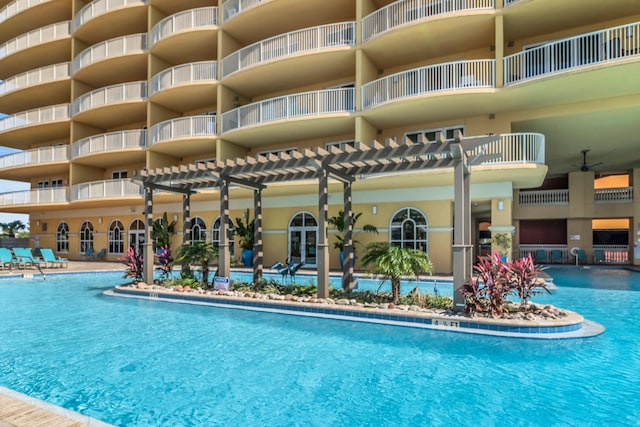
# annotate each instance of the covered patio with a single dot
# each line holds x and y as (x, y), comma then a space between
(344, 165)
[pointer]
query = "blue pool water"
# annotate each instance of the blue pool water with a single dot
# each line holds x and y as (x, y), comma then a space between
(150, 363)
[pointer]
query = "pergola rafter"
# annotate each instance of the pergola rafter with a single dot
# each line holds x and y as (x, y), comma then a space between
(344, 164)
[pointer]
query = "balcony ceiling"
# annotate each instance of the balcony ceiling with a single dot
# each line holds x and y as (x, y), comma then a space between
(106, 159)
(55, 92)
(18, 173)
(40, 55)
(131, 67)
(119, 22)
(180, 148)
(36, 16)
(432, 38)
(187, 96)
(112, 115)
(25, 137)
(308, 68)
(282, 16)
(190, 45)
(531, 18)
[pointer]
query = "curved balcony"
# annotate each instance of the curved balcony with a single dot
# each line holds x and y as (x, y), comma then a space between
(48, 161)
(130, 14)
(515, 148)
(586, 50)
(184, 136)
(112, 105)
(230, 8)
(45, 45)
(406, 12)
(296, 42)
(20, 16)
(319, 109)
(40, 124)
(185, 87)
(107, 189)
(20, 92)
(119, 147)
(40, 196)
(180, 36)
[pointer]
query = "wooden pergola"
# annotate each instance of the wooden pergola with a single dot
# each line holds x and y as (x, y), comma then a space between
(319, 164)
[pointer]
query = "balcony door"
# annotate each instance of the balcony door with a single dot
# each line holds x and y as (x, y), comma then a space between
(303, 237)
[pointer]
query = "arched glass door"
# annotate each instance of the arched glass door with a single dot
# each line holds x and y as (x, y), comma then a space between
(136, 235)
(303, 237)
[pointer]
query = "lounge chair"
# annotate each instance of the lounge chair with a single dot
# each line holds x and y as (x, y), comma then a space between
(581, 256)
(90, 253)
(556, 256)
(24, 256)
(8, 260)
(101, 254)
(52, 260)
(599, 256)
(540, 256)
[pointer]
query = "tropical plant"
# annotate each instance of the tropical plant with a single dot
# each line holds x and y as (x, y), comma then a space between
(10, 229)
(165, 260)
(503, 242)
(135, 264)
(337, 222)
(524, 279)
(393, 263)
(245, 231)
(162, 232)
(196, 253)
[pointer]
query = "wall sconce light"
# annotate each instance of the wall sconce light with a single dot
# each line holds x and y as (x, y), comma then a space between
(100, 220)
(38, 223)
(175, 217)
(374, 209)
(132, 210)
(500, 205)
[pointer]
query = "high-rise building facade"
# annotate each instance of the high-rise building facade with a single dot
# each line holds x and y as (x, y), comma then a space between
(96, 91)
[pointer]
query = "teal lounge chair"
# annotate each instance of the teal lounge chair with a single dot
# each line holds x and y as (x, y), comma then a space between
(540, 256)
(556, 256)
(24, 256)
(52, 260)
(90, 253)
(8, 260)
(581, 256)
(599, 256)
(101, 254)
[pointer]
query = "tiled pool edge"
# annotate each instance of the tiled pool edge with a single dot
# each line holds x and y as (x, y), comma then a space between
(578, 327)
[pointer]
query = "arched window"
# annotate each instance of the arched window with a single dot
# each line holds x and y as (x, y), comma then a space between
(62, 237)
(409, 229)
(303, 236)
(116, 237)
(86, 237)
(136, 235)
(198, 229)
(215, 233)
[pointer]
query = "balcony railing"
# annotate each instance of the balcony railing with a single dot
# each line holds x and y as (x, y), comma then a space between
(575, 52)
(118, 46)
(35, 196)
(406, 11)
(610, 254)
(113, 141)
(33, 38)
(186, 73)
(305, 104)
(112, 188)
(183, 127)
(35, 117)
(613, 195)
(186, 20)
(36, 77)
(544, 197)
(306, 40)
(553, 253)
(450, 76)
(17, 6)
(57, 153)
(233, 7)
(515, 148)
(122, 92)
(98, 7)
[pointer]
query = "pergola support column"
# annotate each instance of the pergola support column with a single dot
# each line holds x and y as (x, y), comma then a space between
(461, 230)
(257, 236)
(186, 218)
(224, 255)
(323, 236)
(347, 248)
(147, 266)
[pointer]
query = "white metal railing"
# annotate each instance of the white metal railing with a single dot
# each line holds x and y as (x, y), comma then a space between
(574, 52)
(515, 148)
(183, 127)
(111, 188)
(35, 117)
(33, 38)
(35, 196)
(17, 6)
(613, 195)
(545, 253)
(610, 254)
(185, 73)
(122, 92)
(185, 20)
(119, 46)
(99, 7)
(544, 197)
(449, 76)
(112, 141)
(56, 153)
(233, 7)
(284, 107)
(406, 11)
(36, 77)
(510, 2)
(306, 40)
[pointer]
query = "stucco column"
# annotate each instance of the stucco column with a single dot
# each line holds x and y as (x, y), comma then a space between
(186, 218)
(323, 236)
(147, 266)
(257, 236)
(462, 248)
(224, 255)
(347, 249)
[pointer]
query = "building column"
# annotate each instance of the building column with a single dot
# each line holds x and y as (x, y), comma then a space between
(347, 248)
(323, 235)
(224, 254)
(462, 248)
(634, 240)
(257, 236)
(186, 218)
(147, 268)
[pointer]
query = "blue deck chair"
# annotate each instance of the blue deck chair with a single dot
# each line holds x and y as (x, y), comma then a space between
(582, 256)
(101, 254)
(599, 256)
(540, 256)
(90, 253)
(556, 256)
(24, 256)
(8, 260)
(52, 260)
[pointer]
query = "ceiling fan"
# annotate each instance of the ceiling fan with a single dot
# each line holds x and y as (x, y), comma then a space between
(585, 167)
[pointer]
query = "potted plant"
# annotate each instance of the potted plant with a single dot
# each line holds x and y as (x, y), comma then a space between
(245, 230)
(503, 243)
(337, 222)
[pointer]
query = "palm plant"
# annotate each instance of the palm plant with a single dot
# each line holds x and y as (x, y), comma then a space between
(393, 263)
(162, 232)
(245, 231)
(337, 222)
(196, 253)
(10, 229)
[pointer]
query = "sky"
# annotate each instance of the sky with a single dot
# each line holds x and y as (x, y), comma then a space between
(9, 186)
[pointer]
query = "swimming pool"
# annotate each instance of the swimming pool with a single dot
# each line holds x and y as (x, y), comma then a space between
(150, 363)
